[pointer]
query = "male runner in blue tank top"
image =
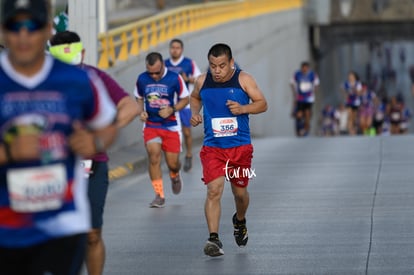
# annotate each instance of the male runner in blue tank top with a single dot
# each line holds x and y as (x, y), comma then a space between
(227, 96)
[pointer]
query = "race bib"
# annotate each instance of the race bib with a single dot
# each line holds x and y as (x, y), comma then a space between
(395, 116)
(87, 167)
(379, 116)
(305, 86)
(37, 189)
(224, 126)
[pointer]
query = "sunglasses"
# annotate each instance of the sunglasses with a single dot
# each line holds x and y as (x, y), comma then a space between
(156, 73)
(30, 25)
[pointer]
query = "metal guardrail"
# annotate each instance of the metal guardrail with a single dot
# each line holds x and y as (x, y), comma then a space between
(122, 43)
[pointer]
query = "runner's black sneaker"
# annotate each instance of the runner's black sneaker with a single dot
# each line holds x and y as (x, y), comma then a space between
(213, 247)
(240, 231)
(188, 163)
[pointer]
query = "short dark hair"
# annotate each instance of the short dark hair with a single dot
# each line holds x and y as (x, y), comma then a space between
(65, 37)
(153, 57)
(305, 64)
(220, 49)
(176, 40)
(355, 74)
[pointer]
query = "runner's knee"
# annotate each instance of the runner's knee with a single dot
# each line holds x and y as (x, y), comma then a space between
(94, 237)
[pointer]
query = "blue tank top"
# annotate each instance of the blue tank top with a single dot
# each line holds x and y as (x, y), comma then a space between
(221, 128)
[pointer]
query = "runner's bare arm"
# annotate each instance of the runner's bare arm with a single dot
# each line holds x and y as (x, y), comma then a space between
(182, 103)
(142, 114)
(195, 101)
(258, 101)
(127, 111)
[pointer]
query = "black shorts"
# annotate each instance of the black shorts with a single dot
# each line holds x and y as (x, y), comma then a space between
(303, 106)
(377, 123)
(97, 190)
(353, 107)
(63, 256)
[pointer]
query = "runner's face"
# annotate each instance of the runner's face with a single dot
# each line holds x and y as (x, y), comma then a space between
(176, 50)
(221, 67)
(351, 78)
(25, 40)
(305, 69)
(156, 71)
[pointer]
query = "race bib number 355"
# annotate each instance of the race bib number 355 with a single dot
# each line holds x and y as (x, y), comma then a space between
(224, 126)
(37, 189)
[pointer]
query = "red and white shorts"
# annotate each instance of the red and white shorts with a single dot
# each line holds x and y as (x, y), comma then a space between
(232, 163)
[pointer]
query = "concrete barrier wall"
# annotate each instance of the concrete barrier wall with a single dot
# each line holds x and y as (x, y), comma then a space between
(269, 47)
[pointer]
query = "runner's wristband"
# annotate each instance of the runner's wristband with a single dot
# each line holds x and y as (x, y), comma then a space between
(9, 156)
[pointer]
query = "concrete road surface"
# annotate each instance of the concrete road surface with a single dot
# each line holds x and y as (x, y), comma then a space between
(341, 205)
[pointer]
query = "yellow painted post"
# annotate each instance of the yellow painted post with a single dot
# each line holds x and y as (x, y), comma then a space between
(191, 20)
(103, 62)
(153, 33)
(123, 53)
(174, 25)
(185, 22)
(168, 31)
(162, 36)
(145, 40)
(179, 23)
(198, 19)
(111, 49)
(134, 51)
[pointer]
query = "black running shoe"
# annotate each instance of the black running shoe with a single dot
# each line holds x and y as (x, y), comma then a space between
(240, 231)
(188, 163)
(213, 247)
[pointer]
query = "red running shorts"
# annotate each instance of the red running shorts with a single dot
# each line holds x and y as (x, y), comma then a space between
(232, 163)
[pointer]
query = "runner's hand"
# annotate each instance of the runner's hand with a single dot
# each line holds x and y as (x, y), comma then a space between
(144, 116)
(166, 111)
(25, 147)
(196, 119)
(82, 141)
(235, 107)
